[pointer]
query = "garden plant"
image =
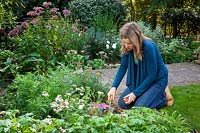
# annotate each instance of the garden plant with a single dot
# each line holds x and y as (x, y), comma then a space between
(47, 63)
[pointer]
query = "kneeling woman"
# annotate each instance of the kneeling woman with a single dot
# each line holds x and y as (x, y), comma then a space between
(147, 75)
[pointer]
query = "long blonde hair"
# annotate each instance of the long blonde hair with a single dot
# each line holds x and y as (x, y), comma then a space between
(132, 32)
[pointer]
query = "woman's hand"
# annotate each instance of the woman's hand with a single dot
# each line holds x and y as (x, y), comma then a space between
(129, 98)
(111, 94)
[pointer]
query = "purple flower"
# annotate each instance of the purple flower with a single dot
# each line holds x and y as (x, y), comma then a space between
(66, 12)
(102, 106)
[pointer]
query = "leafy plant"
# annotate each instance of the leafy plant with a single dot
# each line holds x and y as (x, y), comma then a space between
(175, 51)
(86, 10)
(34, 93)
(97, 64)
(136, 120)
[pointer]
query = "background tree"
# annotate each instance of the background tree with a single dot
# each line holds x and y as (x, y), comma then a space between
(177, 17)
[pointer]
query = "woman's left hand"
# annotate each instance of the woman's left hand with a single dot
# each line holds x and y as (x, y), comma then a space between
(129, 98)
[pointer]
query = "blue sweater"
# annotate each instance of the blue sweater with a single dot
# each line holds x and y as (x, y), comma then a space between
(150, 70)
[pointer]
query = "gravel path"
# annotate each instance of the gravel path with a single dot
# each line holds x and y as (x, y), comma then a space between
(179, 74)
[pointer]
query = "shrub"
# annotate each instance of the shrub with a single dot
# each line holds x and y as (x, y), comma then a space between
(103, 45)
(86, 10)
(45, 39)
(34, 93)
(156, 34)
(175, 51)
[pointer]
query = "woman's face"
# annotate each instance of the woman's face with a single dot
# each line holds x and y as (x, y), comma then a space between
(127, 44)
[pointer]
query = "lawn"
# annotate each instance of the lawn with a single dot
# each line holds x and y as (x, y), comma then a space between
(187, 103)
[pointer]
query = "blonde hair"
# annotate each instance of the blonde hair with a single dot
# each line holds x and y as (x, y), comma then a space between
(132, 32)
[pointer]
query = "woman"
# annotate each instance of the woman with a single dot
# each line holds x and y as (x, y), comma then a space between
(147, 75)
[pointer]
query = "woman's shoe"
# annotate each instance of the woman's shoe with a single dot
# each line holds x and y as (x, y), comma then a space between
(169, 97)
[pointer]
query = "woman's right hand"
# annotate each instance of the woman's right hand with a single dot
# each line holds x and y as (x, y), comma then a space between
(111, 94)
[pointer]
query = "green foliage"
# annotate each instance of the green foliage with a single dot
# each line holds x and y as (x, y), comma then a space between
(26, 123)
(74, 61)
(7, 18)
(137, 120)
(27, 93)
(97, 64)
(104, 23)
(46, 40)
(155, 34)
(184, 21)
(103, 45)
(188, 108)
(86, 10)
(175, 51)
(8, 66)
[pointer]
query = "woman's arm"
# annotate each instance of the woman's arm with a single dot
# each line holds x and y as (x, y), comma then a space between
(121, 71)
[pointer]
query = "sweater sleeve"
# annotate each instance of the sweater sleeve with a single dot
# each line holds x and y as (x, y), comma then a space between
(151, 64)
(121, 71)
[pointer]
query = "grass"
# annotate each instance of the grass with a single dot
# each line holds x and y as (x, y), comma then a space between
(187, 103)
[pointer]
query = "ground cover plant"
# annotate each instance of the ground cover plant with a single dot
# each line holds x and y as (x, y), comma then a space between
(187, 103)
(62, 101)
(137, 120)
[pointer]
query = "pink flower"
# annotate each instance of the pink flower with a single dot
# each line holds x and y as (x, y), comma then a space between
(54, 10)
(66, 12)
(32, 13)
(102, 106)
(38, 9)
(46, 4)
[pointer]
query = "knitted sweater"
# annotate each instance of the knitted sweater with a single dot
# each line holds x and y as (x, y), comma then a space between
(140, 76)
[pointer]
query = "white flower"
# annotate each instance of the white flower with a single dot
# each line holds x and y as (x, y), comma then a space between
(65, 104)
(68, 94)
(100, 92)
(81, 106)
(54, 105)
(48, 120)
(78, 89)
(62, 130)
(59, 98)
(108, 42)
(101, 52)
(45, 94)
(107, 46)
(114, 45)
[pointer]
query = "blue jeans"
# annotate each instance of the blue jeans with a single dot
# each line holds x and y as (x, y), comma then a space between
(154, 97)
